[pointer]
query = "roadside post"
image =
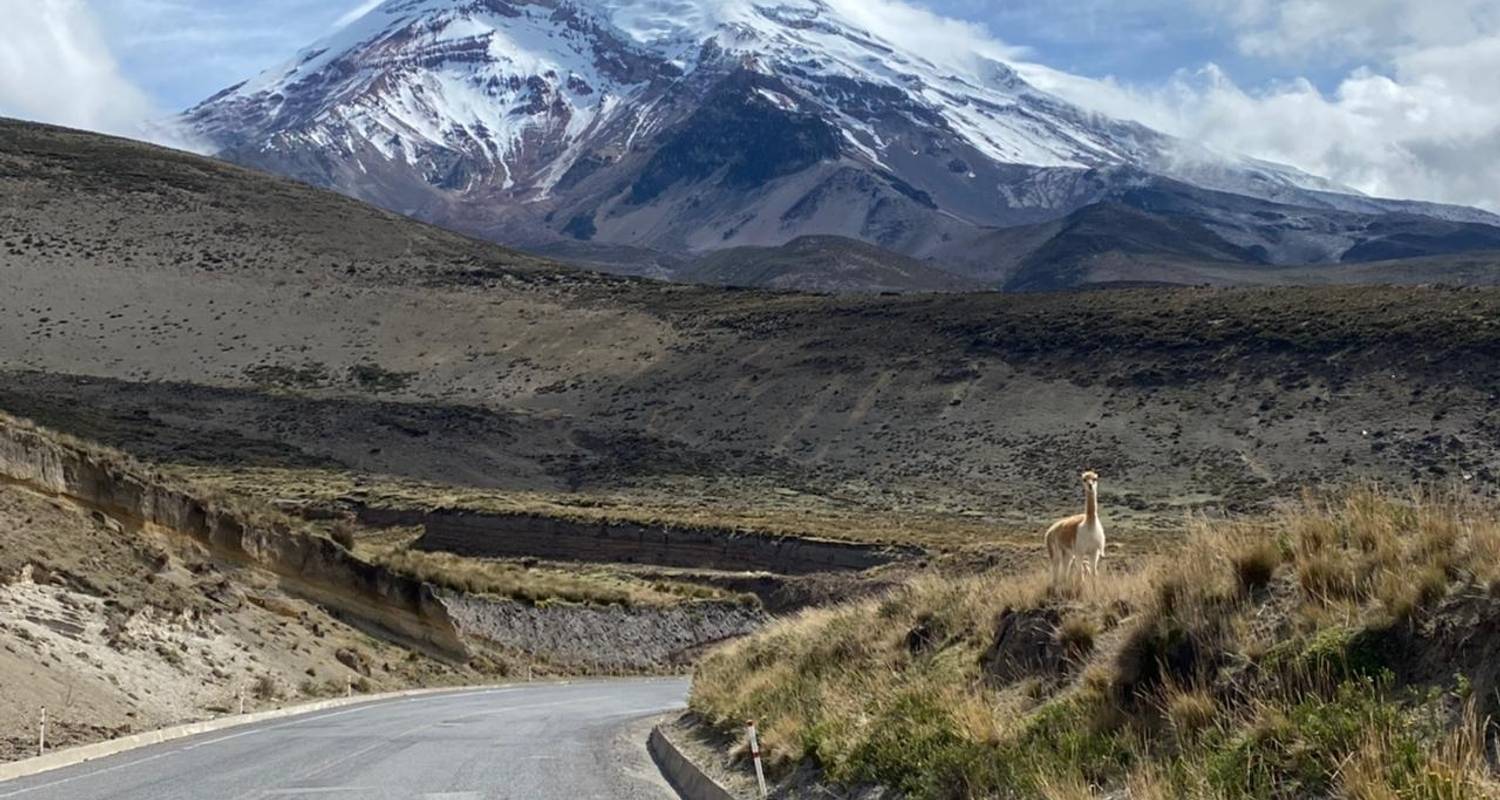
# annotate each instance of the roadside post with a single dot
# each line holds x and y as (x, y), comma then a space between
(760, 773)
(348, 685)
(41, 737)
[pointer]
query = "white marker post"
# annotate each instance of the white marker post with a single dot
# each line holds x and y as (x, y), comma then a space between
(41, 737)
(242, 701)
(760, 773)
(349, 687)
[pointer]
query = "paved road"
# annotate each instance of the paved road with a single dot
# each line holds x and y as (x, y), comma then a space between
(539, 742)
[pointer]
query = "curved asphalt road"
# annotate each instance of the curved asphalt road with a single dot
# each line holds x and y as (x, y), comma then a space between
(537, 742)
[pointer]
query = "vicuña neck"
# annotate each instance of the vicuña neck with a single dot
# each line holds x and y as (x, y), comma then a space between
(1091, 504)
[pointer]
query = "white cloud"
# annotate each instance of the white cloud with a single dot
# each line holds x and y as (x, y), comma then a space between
(941, 39)
(355, 13)
(1421, 121)
(1317, 30)
(55, 67)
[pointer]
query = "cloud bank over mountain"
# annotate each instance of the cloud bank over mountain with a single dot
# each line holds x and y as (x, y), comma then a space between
(56, 66)
(1415, 113)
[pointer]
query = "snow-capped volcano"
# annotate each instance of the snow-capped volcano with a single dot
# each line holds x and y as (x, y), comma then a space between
(692, 125)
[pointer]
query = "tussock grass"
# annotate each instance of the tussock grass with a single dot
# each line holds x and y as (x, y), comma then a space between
(1271, 658)
(1077, 634)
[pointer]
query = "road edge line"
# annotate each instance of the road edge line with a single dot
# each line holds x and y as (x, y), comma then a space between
(686, 778)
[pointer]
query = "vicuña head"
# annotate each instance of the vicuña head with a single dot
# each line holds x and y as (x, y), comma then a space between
(1090, 479)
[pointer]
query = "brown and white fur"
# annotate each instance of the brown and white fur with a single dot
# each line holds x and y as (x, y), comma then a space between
(1078, 540)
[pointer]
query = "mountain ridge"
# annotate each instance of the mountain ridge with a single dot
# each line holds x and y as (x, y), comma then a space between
(684, 127)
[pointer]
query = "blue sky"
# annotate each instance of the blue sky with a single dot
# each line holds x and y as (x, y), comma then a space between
(1138, 42)
(1391, 97)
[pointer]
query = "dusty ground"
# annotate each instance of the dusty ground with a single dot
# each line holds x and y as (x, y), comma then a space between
(116, 631)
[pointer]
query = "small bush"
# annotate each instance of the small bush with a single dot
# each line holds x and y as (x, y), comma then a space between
(1403, 596)
(373, 377)
(1256, 565)
(343, 533)
(1076, 634)
(173, 657)
(1190, 712)
(1327, 576)
(1159, 651)
(264, 688)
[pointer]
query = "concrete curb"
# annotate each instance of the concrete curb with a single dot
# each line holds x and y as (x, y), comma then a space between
(686, 777)
(89, 752)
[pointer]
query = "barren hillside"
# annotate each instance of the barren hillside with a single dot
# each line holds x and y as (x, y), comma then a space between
(202, 315)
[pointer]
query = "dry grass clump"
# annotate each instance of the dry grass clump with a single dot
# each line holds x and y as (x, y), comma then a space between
(343, 533)
(1263, 666)
(264, 687)
(1256, 564)
(1077, 634)
(1191, 711)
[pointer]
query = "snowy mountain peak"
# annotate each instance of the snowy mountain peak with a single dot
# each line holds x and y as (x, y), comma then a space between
(690, 125)
(479, 75)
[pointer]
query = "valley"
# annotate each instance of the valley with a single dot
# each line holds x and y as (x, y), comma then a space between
(258, 342)
(614, 398)
(594, 474)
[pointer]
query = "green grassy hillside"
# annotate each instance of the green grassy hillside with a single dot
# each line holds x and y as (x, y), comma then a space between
(1343, 648)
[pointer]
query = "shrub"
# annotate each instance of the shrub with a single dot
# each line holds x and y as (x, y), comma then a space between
(343, 533)
(1332, 655)
(1328, 576)
(1076, 634)
(1403, 596)
(264, 688)
(1190, 712)
(1255, 565)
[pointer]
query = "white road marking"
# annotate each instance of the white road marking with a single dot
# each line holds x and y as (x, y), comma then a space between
(315, 790)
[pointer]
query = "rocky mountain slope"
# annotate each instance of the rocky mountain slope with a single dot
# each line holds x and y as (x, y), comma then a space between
(823, 264)
(652, 127)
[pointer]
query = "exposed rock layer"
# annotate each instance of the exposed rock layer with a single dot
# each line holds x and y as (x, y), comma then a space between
(311, 565)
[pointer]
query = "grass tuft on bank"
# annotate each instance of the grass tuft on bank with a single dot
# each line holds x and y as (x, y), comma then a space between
(539, 584)
(1344, 647)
